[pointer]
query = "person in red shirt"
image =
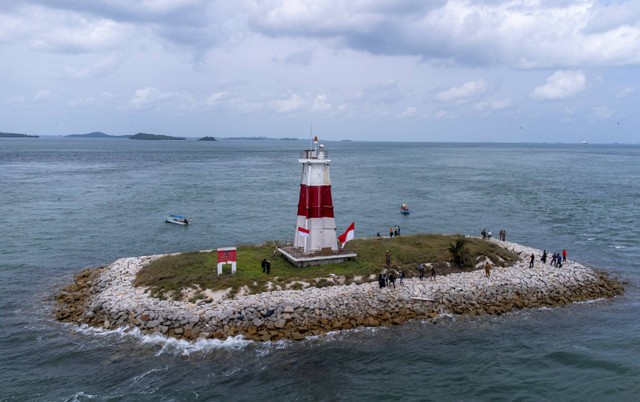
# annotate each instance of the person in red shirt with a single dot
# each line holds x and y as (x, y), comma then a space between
(564, 255)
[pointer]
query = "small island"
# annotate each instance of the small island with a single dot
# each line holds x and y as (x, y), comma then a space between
(97, 134)
(17, 135)
(181, 296)
(208, 139)
(146, 136)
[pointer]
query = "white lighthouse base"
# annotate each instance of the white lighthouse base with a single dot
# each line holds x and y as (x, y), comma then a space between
(297, 257)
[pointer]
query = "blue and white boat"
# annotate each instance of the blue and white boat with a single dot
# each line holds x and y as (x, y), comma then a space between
(177, 219)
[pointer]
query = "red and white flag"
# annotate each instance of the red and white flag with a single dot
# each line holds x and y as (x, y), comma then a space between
(348, 234)
(303, 232)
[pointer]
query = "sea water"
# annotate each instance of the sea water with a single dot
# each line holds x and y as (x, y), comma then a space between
(69, 203)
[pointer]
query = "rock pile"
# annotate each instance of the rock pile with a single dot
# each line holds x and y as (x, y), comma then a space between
(106, 298)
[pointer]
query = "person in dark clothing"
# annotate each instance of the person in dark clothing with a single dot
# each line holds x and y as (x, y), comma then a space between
(401, 278)
(421, 270)
(544, 257)
(433, 274)
(268, 266)
(533, 257)
(263, 264)
(392, 280)
(387, 259)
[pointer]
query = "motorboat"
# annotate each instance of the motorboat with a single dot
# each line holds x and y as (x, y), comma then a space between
(404, 209)
(177, 219)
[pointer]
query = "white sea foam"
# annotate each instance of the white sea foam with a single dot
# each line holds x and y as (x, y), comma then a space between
(168, 344)
(137, 378)
(80, 396)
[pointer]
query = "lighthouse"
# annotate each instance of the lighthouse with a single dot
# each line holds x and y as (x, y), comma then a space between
(316, 225)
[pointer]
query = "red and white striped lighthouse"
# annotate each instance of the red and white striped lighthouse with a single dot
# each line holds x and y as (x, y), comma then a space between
(316, 225)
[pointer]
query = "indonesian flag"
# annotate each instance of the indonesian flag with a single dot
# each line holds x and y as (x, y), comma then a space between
(303, 232)
(347, 235)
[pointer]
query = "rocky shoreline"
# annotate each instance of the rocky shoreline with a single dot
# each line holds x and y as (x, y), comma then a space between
(105, 297)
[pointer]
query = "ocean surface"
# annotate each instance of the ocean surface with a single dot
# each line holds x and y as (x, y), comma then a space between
(69, 203)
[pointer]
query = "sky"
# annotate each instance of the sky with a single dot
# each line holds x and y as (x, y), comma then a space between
(365, 70)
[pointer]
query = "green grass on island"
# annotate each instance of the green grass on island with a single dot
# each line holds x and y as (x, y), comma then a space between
(170, 275)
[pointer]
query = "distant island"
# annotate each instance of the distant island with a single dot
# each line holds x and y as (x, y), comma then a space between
(97, 134)
(139, 136)
(146, 136)
(16, 135)
(208, 139)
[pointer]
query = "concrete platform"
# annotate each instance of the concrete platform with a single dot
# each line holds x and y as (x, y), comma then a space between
(296, 257)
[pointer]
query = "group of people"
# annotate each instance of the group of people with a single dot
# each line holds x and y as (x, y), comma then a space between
(432, 272)
(393, 231)
(266, 266)
(556, 258)
(388, 280)
(486, 234)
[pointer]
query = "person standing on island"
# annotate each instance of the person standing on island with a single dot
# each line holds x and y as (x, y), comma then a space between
(392, 280)
(390, 232)
(268, 265)
(564, 255)
(263, 264)
(401, 278)
(532, 259)
(387, 259)
(544, 257)
(433, 274)
(421, 271)
(487, 269)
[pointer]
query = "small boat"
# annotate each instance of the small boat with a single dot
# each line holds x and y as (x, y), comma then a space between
(177, 219)
(404, 209)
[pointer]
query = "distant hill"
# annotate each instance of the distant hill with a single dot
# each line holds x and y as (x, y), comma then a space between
(97, 134)
(208, 139)
(16, 135)
(146, 136)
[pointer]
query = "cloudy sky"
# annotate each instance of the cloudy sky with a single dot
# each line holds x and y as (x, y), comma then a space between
(382, 70)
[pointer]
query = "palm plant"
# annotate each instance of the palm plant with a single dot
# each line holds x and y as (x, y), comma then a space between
(457, 250)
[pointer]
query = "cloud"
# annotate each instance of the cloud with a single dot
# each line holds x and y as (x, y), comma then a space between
(303, 57)
(408, 112)
(102, 66)
(42, 96)
(560, 85)
(148, 98)
(624, 93)
(83, 102)
(58, 32)
(602, 112)
(462, 93)
(523, 34)
(320, 104)
(216, 98)
(290, 102)
(493, 105)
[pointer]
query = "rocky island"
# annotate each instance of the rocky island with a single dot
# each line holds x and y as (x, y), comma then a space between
(17, 135)
(107, 298)
(146, 136)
